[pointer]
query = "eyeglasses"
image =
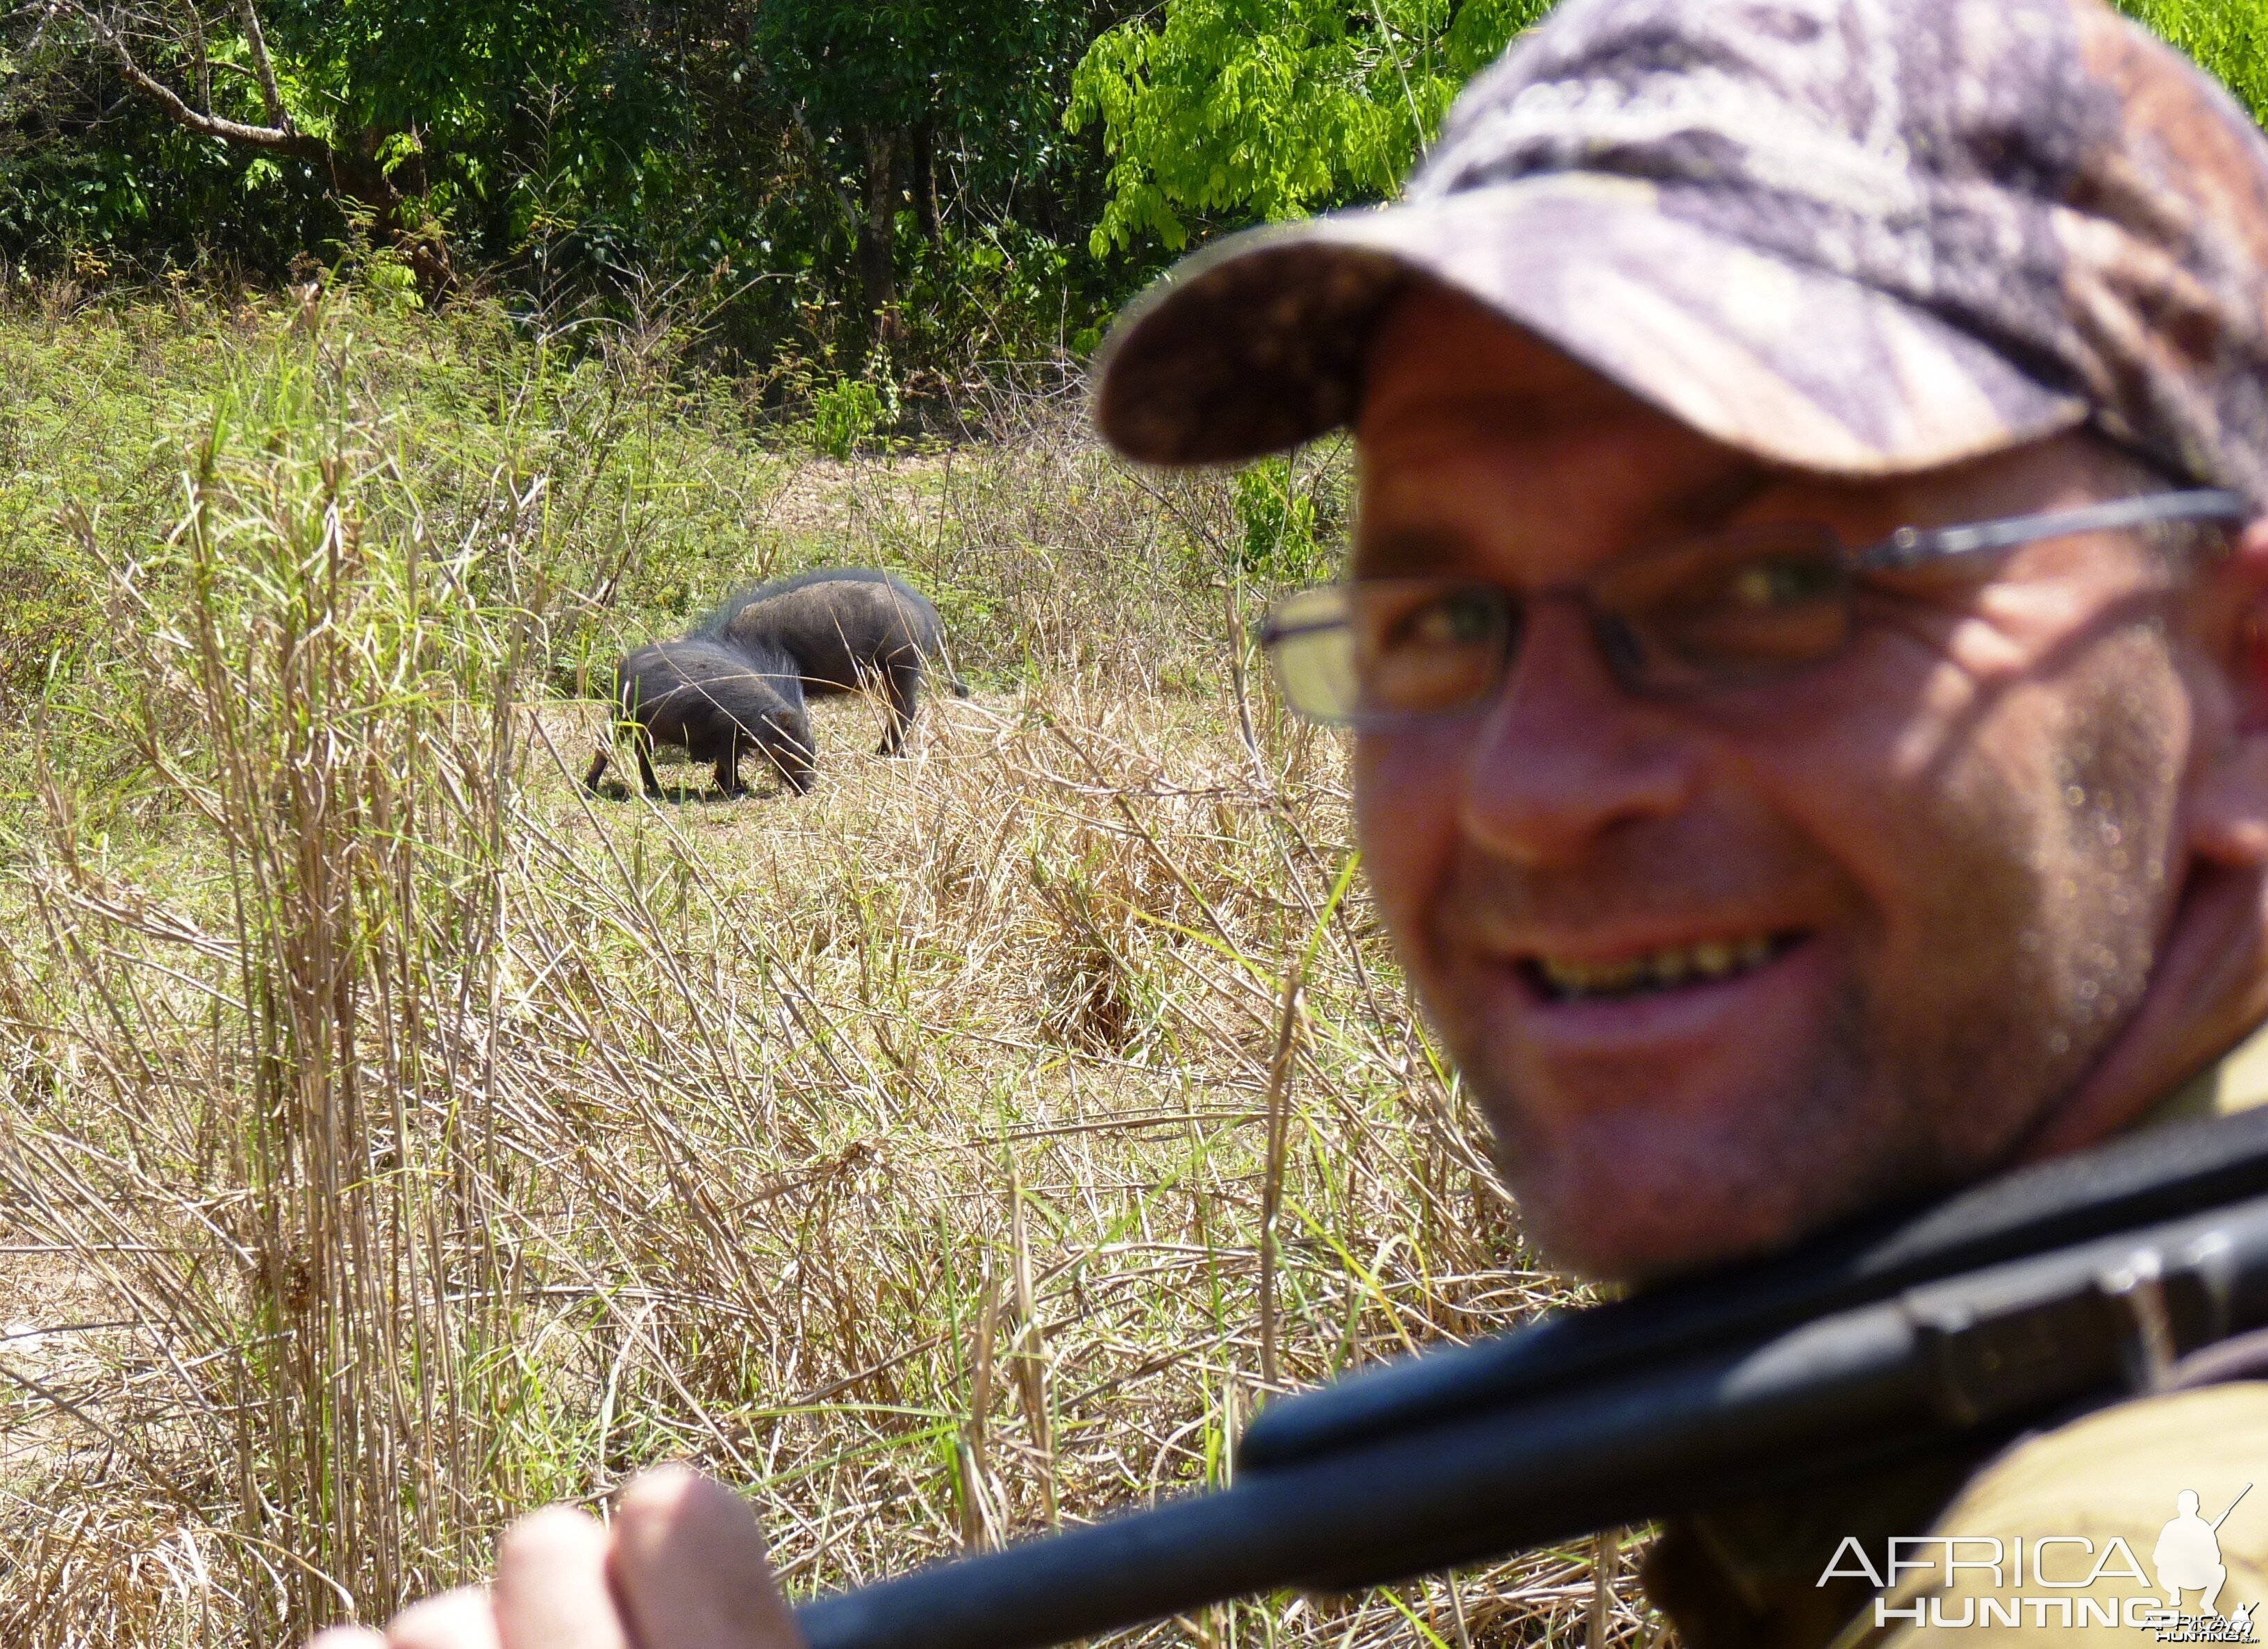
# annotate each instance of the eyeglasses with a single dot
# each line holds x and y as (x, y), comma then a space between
(1727, 610)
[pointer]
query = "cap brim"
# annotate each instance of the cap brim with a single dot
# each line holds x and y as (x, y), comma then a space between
(1261, 342)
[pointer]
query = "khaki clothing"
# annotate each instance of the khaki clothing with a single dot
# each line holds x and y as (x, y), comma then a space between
(2104, 1492)
(2238, 1083)
(1750, 1577)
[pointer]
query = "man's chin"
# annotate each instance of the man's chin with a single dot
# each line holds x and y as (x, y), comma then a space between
(1642, 1239)
(1630, 1209)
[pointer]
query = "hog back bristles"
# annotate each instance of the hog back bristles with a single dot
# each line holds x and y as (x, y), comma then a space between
(397, 1137)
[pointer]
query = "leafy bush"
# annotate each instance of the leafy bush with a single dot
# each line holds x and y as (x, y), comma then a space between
(1279, 522)
(846, 415)
(1291, 513)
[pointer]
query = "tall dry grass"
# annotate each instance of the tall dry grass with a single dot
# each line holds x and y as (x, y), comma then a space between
(395, 1138)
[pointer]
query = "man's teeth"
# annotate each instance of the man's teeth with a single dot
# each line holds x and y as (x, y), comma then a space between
(1656, 971)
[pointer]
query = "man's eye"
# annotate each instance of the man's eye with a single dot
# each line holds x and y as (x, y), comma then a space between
(1763, 585)
(1463, 620)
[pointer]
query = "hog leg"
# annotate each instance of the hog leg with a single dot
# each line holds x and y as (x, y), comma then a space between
(900, 686)
(644, 746)
(598, 768)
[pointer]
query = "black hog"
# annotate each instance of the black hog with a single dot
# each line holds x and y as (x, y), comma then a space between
(847, 628)
(717, 700)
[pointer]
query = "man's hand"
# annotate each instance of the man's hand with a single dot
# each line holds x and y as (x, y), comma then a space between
(684, 1567)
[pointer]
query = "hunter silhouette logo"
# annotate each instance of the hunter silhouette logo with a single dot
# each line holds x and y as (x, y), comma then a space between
(2187, 1558)
(2050, 1581)
(2188, 1554)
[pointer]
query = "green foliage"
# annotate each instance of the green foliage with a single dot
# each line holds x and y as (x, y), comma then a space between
(636, 490)
(1217, 111)
(2230, 38)
(587, 154)
(450, 103)
(1270, 108)
(845, 415)
(385, 274)
(847, 64)
(45, 598)
(1291, 512)
(1279, 521)
(722, 156)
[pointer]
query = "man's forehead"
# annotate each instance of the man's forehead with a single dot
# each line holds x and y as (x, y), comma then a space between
(1446, 457)
(1453, 388)
(1438, 355)
(1450, 385)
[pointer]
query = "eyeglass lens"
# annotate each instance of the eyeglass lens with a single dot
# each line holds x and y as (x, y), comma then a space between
(1720, 611)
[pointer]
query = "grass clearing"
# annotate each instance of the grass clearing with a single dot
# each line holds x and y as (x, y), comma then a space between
(395, 1138)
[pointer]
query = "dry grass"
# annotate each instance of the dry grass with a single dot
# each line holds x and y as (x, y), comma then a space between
(395, 1138)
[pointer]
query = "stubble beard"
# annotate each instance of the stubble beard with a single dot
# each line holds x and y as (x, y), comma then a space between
(1852, 1133)
(1894, 1103)
(1632, 1198)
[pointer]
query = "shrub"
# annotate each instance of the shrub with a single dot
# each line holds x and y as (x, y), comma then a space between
(845, 415)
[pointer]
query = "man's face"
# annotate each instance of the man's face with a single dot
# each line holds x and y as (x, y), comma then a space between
(1721, 969)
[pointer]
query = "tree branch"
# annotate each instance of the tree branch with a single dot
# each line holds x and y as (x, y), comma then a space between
(354, 167)
(203, 123)
(852, 217)
(270, 98)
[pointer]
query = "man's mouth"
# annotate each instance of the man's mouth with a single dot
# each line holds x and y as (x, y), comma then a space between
(1670, 967)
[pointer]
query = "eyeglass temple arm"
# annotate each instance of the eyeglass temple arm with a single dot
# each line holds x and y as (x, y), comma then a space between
(1912, 546)
(1272, 631)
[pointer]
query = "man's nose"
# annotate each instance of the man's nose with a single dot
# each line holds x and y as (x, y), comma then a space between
(1566, 755)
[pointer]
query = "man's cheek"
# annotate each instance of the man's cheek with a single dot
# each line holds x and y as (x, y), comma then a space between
(1404, 814)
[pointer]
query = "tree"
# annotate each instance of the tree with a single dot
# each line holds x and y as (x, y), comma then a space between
(1269, 108)
(379, 102)
(206, 57)
(860, 78)
(877, 86)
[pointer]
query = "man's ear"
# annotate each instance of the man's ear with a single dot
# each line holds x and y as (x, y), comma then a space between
(2229, 806)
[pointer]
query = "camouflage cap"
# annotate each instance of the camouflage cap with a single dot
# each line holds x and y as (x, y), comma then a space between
(1861, 237)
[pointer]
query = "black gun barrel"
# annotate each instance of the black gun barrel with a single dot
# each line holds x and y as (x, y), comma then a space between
(1956, 1363)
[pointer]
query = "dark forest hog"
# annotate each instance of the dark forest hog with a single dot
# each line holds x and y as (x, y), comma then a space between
(849, 630)
(717, 700)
